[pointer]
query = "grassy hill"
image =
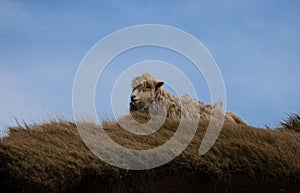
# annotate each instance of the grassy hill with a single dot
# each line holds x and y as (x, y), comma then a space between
(51, 157)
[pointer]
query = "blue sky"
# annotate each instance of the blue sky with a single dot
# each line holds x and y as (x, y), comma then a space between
(255, 43)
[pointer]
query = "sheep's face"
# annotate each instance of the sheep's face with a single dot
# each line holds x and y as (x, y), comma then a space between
(143, 94)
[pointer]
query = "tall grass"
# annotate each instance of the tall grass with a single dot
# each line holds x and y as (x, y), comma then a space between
(291, 122)
(51, 157)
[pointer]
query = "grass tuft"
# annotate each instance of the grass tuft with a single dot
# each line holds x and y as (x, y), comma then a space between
(291, 122)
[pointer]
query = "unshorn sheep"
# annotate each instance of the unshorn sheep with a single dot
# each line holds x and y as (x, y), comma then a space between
(147, 90)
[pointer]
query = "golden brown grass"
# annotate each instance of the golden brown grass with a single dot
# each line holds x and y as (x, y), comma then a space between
(51, 157)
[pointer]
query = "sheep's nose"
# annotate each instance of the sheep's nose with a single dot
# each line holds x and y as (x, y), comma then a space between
(132, 97)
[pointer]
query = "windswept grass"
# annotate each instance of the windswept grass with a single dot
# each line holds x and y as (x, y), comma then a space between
(291, 122)
(51, 157)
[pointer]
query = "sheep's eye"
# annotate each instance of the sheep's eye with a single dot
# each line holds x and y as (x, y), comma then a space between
(148, 87)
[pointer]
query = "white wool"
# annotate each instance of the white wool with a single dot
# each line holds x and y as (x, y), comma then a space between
(191, 105)
(143, 78)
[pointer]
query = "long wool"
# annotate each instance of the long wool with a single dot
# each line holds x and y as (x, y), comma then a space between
(192, 106)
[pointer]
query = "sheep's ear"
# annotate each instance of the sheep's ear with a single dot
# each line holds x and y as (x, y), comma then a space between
(158, 85)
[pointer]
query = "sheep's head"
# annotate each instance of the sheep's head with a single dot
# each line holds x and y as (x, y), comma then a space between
(144, 94)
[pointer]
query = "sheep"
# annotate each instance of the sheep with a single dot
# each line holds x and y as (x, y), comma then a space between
(147, 90)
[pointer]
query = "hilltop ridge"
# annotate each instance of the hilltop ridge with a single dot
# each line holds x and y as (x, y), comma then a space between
(51, 157)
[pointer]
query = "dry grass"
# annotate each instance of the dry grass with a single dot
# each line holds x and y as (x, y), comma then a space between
(291, 122)
(51, 157)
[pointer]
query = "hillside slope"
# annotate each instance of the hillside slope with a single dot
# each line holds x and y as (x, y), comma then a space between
(51, 157)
